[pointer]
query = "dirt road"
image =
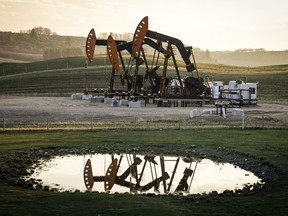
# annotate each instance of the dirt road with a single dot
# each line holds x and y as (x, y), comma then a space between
(64, 108)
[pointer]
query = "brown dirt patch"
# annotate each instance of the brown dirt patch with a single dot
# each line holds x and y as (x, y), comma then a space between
(23, 108)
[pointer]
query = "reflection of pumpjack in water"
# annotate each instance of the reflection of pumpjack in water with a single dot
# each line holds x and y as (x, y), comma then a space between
(112, 178)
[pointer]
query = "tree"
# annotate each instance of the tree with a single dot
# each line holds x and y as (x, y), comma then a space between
(47, 31)
(260, 50)
(103, 35)
(33, 33)
(42, 30)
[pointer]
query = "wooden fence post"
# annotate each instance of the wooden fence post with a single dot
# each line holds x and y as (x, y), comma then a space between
(47, 124)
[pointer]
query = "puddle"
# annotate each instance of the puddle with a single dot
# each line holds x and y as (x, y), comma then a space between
(141, 174)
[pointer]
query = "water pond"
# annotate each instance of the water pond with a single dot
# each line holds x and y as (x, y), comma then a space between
(140, 174)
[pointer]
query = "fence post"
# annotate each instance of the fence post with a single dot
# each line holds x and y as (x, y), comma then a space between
(47, 124)
(243, 118)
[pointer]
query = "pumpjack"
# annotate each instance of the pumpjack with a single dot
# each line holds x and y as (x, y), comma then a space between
(113, 177)
(189, 87)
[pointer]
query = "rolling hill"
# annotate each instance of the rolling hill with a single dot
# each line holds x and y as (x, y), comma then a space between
(19, 47)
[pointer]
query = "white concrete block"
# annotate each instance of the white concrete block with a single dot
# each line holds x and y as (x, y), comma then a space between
(77, 96)
(124, 102)
(86, 97)
(108, 100)
(134, 104)
(97, 99)
(194, 113)
(114, 103)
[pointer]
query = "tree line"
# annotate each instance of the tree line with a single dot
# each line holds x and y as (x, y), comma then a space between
(38, 31)
(39, 41)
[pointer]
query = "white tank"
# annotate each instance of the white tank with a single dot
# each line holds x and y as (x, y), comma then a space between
(216, 87)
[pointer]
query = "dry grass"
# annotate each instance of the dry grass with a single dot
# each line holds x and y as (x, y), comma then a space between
(160, 123)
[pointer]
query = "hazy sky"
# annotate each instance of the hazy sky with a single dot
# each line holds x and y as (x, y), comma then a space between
(207, 24)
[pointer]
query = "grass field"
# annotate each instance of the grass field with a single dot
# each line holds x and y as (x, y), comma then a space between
(269, 144)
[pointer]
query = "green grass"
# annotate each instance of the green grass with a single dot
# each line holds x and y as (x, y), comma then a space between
(43, 203)
(7, 69)
(269, 144)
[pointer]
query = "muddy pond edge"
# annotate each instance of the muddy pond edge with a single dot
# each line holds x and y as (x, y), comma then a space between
(16, 165)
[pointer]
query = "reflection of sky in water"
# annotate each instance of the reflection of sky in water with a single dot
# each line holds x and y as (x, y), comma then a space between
(67, 173)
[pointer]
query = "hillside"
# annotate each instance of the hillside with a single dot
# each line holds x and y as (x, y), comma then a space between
(29, 48)
(24, 47)
(252, 58)
(65, 76)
